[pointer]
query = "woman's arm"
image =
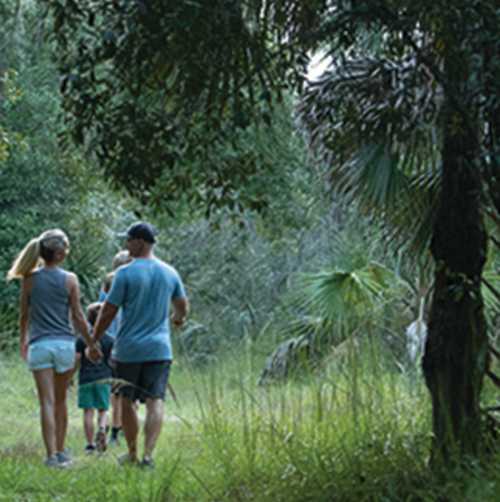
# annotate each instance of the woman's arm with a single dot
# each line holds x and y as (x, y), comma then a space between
(26, 285)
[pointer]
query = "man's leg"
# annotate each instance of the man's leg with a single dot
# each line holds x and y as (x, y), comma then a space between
(117, 410)
(130, 425)
(130, 373)
(152, 427)
(154, 379)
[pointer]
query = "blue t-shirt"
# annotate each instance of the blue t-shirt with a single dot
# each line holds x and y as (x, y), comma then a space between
(113, 327)
(143, 290)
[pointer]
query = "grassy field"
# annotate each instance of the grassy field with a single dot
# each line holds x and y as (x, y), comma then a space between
(356, 431)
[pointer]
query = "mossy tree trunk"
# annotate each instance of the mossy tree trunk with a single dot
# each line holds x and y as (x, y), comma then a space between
(455, 357)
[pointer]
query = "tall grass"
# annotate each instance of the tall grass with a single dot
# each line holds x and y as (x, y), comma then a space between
(358, 429)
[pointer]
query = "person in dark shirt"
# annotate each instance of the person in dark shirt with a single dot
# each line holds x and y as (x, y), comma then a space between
(94, 386)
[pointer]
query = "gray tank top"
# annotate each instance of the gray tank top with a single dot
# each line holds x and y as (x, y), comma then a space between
(49, 306)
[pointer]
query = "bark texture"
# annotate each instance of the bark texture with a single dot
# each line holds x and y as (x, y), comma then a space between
(455, 357)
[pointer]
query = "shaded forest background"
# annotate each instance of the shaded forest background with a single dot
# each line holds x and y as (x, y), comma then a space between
(316, 255)
(243, 267)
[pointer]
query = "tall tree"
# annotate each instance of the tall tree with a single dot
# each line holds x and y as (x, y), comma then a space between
(403, 116)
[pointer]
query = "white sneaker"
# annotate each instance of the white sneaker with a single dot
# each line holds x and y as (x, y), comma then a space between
(55, 462)
(64, 459)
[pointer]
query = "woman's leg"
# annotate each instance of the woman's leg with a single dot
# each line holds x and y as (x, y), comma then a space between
(45, 387)
(61, 382)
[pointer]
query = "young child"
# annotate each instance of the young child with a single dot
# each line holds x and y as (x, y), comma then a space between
(93, 393)
(116, 416)
(121, 258)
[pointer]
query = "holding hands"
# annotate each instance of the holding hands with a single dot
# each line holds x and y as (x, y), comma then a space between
(93, 352)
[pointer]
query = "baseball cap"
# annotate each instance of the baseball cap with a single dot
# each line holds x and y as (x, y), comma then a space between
(141, 230)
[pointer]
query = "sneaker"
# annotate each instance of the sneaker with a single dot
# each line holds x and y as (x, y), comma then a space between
(52, 461)
(89, 449)
(126, 459)
(148, 463)
(115, 432)
(114, 442)
(63, 458)
(100, 439)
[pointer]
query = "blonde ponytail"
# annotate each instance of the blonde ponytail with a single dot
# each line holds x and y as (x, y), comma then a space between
(26, 261)
(30, 258)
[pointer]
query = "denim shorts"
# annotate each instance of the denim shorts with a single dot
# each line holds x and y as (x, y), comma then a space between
(52, 353)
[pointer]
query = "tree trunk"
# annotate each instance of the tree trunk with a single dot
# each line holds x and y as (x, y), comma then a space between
(456, 350)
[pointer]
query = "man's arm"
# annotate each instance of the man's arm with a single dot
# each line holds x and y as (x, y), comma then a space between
(181, 310)
(104, 319)
(77, 316)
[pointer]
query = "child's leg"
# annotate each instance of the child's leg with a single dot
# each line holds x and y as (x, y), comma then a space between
(103, 393)
(100, 438)
(116, 417)
(102, 419)
(88, 425)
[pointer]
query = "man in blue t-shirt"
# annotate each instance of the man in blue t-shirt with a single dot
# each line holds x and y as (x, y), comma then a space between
(143, 290)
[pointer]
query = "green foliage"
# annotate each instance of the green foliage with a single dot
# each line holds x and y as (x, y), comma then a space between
(376, 115)
(39, 187)
(166, 96)
(337, 294)
(171, 124)
(9, 140)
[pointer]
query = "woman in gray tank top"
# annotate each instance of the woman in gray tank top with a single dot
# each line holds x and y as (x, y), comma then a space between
(47, 342)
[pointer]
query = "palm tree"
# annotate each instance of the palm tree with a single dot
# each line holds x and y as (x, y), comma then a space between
(404, 139)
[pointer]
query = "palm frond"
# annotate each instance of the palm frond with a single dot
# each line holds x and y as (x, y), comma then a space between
(371, 100)
(372, 121)
(344, 296)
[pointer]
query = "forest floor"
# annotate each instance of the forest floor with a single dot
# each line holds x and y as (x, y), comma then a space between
(345, 434)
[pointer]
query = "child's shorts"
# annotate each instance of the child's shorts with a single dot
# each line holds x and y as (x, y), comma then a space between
(94, 395)
(52, 353)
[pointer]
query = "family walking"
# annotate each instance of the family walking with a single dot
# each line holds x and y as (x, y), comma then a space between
(128, 330)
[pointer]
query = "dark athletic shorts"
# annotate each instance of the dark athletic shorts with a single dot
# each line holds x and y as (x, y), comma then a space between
(147, 380)
(115, 386)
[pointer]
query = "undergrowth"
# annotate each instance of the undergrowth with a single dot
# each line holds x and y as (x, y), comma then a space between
(357, 430)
